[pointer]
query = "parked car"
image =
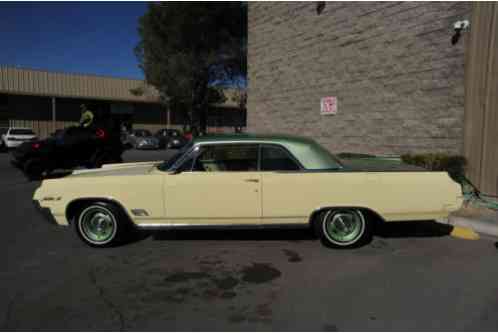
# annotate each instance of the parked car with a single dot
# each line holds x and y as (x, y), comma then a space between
(17, 135)
(143, 139)
(244, 181)
(68, 149)
(170, 138)
(125, 139)
(57, 132)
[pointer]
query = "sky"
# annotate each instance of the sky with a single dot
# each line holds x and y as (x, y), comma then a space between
(89, 38)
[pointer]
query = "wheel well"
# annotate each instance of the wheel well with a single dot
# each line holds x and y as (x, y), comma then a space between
(76, 206)
(370, 214)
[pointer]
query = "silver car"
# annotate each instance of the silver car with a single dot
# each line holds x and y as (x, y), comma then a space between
(143, 139)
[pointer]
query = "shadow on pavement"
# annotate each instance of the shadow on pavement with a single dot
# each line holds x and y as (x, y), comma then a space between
(385, 230)
(413, 229)
(239, 234)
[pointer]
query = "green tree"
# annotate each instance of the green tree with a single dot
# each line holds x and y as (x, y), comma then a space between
(185, 48)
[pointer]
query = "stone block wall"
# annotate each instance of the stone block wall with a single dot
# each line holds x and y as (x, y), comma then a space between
(398, 79)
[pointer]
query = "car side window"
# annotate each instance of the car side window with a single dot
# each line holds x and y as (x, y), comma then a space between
(274, 158)
(228, 157)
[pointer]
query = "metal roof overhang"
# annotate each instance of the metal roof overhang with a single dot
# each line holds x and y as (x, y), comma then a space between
(42, 83)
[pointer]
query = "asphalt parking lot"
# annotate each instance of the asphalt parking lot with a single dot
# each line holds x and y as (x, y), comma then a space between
(411, 277)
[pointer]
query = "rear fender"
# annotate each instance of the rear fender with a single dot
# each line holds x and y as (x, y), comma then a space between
(371, 215)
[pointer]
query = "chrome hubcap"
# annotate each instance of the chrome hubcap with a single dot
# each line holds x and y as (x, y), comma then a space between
(344, 226)
(97, 224)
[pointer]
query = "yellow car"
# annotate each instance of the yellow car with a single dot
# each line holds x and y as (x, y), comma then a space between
(244, 181)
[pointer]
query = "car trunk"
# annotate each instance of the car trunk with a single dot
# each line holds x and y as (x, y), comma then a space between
(378, 164)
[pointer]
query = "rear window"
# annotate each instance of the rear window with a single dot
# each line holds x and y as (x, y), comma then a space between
(21, 131)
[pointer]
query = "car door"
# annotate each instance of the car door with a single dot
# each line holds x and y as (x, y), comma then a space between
(221, 186)
(285, 187)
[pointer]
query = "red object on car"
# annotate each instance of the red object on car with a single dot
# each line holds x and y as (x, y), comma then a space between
(100, 133)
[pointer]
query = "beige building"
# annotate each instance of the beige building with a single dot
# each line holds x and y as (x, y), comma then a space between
(46, 101)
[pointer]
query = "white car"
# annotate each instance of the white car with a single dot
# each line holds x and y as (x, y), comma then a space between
(17, 135)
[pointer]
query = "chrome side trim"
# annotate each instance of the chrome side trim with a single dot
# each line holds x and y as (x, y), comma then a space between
(225, 218)
(139, 212)
(221, 226)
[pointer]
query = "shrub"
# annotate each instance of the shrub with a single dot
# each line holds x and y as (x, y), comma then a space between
(453, 164)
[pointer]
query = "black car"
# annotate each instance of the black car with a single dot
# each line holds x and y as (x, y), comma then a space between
(3, 130)
(71, 148)
(170, 138)
(57, 132)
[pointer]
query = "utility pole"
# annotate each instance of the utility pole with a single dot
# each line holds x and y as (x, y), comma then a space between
(54, 113)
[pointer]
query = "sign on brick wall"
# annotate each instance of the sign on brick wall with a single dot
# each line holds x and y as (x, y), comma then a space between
(328, 105)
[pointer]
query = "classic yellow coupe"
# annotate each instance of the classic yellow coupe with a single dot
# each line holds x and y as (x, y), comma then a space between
(244, 181)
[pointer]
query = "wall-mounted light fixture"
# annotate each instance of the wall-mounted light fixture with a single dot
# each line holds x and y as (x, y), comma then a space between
(459, 27)
(320, 6)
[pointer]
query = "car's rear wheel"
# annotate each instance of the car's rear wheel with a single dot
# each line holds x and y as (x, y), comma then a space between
(101, 224)
(343, 227)
(34, 169)
(102, 158)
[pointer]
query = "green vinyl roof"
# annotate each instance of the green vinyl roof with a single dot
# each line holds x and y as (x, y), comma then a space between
(253, 137)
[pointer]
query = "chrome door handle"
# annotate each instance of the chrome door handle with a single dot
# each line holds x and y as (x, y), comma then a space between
(252, 180)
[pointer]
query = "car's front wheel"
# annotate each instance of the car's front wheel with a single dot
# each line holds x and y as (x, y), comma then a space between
(101, 224)
(343, 227)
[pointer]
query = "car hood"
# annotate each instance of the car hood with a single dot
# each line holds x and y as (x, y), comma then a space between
(120, 169)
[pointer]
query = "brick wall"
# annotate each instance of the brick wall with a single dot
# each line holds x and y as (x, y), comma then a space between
(398, 80)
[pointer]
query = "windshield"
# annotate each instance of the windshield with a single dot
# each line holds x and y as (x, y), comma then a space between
(21, 131)
(169, 163)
